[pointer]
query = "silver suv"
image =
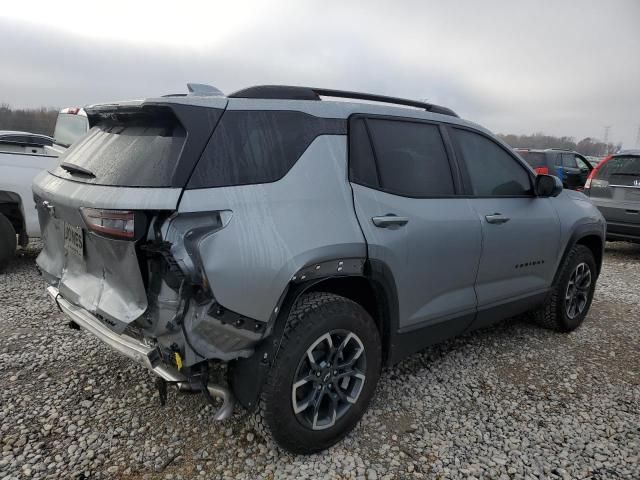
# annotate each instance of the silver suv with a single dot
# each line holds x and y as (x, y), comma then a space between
(304, 242)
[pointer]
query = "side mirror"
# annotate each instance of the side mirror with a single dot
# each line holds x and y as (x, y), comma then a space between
(548, 186)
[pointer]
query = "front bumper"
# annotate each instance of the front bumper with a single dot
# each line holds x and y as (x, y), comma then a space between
(137, 351)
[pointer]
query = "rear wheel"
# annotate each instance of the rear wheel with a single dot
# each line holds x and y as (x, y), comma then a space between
(568, 303)
(8, 242)
(324, 375)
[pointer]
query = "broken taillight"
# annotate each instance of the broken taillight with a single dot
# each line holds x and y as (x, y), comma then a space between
(112, 223)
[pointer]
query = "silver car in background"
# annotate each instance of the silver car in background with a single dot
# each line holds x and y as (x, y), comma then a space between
(614, 187)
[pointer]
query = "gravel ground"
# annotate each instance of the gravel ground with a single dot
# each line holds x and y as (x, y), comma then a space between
(512, 401)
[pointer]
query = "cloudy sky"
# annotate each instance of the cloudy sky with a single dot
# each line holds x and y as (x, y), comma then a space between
(559, 67)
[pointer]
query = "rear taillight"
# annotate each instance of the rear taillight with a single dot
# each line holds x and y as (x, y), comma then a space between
(587, 184)
(112, 223)
(542, 171)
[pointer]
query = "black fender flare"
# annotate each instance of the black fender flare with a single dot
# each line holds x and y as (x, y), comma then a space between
(247, 375)
(579, 232)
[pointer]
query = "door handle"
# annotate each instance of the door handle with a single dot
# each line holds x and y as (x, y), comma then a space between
(496, 218)
(389, 220)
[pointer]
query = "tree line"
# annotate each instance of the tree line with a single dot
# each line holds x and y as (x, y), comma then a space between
(35, 120)
(586, 146)
(43, 120)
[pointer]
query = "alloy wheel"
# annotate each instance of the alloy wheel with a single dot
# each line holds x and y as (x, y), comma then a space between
(577, 293)
(329, 379)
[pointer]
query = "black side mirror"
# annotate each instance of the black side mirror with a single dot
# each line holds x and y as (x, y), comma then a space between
(548, 186)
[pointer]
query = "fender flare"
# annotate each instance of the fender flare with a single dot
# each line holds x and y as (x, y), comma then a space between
(581, 231)
(247, 375)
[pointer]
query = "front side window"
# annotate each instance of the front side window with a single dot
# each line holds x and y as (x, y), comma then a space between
(582, 164)
(411, 158)
(492, 171)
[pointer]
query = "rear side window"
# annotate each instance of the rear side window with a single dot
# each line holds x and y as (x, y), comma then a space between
(362, 167)
(535, 159)
(493, 172)
(250, 147)
(569, 160)
(411, 158)
(623, 170)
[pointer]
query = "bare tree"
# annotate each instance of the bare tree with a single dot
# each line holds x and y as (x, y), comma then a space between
(586, 146)
(38, 120)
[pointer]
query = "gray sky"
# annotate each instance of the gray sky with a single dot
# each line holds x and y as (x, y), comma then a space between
(560, 67)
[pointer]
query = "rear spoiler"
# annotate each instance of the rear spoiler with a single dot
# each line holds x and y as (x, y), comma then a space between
(198, 121)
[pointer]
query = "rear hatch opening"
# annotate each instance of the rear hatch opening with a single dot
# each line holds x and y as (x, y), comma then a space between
(96, 207)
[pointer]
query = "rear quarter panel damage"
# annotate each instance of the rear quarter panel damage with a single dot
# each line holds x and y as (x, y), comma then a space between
(278, 228)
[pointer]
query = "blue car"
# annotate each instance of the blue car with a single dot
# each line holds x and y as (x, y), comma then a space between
(570, 167)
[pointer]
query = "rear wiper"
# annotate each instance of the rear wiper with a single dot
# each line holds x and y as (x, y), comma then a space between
(71, 168)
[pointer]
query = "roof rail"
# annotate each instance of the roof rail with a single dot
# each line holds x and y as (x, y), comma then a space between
(429, 107)
(284, 92)
(276, 92)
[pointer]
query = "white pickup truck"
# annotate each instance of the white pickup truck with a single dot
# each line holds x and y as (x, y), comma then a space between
(22, 156)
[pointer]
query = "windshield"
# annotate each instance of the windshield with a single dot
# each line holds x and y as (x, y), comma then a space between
(70, 128)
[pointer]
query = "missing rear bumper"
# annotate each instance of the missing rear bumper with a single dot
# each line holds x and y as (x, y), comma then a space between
(137, 351)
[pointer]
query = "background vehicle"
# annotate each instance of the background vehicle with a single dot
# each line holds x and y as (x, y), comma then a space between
(305, 242)
(614, 187)
(22, 156)
(594, 161)
(24, 142)
(571, 167)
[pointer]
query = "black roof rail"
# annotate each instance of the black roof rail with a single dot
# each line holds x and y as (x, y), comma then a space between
(429, 107)
(276, 92)
(284, 92)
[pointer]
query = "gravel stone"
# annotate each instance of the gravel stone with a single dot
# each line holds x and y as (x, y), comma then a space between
(509, 402)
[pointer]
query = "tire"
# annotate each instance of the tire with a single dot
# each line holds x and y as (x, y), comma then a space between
(317, 321)
(559, 312)
(8, 242)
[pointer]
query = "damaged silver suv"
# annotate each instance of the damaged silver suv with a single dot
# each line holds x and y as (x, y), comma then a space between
(304, 242)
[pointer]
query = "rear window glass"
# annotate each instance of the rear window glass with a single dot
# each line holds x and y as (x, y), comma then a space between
(535, 159)
(250, 147)
(620, 170)
(137, 152)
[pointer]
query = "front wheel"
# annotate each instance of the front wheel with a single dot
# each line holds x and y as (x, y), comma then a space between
(324, 375)
(571, 294)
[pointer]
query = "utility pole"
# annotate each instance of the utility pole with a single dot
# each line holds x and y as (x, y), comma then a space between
(638, 138)
(607, 129)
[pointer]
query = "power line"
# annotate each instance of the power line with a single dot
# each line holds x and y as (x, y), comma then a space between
(607, 130)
